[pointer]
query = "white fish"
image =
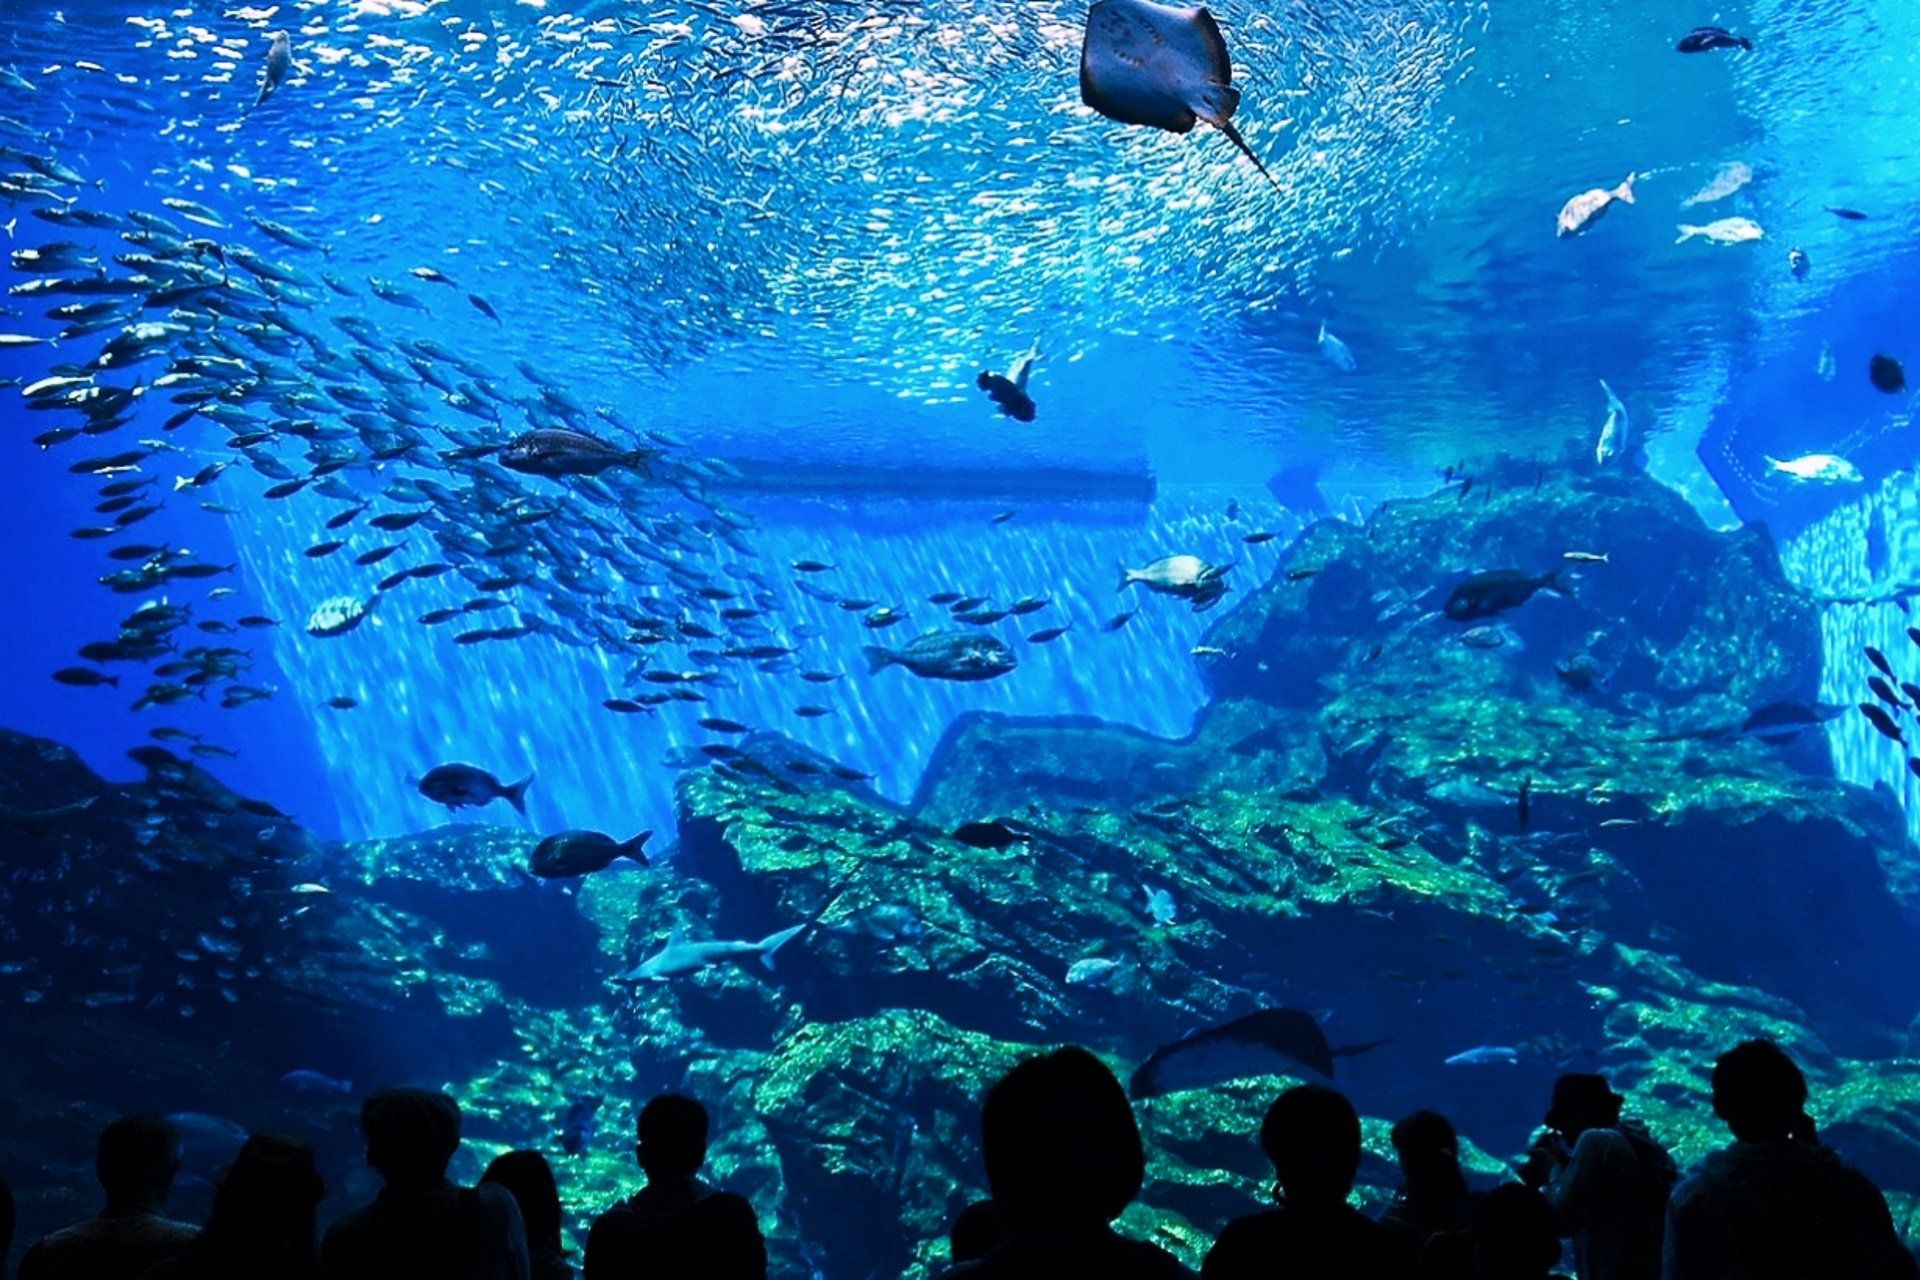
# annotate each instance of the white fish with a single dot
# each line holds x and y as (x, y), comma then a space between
(1335, 352)
(1613, 441)
(1587, 208)
(1160, 905)
(1825, 366)
(1732, 176)
(1091, 970)
(1485, 1055)
(1725, 231)
(1818, 468)
(680, 957)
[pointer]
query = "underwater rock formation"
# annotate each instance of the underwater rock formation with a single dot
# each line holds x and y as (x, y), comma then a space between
(1430, 843)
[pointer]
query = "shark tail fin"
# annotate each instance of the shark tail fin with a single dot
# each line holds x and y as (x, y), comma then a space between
(774, 941)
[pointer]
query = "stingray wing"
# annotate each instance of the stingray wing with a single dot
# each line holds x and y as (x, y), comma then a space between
(1269, 1042)
(1142, 63)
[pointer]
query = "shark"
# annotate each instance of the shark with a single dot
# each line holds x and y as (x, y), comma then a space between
(1266, 1042)
(680, 957)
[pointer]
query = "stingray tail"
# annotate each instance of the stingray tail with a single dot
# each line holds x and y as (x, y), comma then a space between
(1233, 134)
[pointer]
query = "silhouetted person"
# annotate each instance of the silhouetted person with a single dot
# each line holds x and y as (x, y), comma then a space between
(1777, 1204)
(1515, 1234)
(1606, 1178)
(135, 1161)
(1434, 1195)
(676, 1227)
(261, 1225)
(529, 1179)
(6, 1223)
(1312, 1136)
(421, 1226)
(977, 1230)
(1064, 1159)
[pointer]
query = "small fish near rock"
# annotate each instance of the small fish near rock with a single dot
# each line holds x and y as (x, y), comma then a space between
(1162, 66)
(1587, 208)
(1704, 39)
(1188, 577)
(465, 786)
(580, 853)
(991, 834)
(559, 451)
(1009, 390)
(946, 655)
(1724, 231)
(1497, 590)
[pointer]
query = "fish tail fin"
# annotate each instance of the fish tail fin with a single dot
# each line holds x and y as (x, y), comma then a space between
(112, 680)
(636, 848)
(774, 941)
(1557, 584)
(1624, 192)
(516, 795)
(1127, 579)
(1687, 233)
(879, 658)
(1745, 43)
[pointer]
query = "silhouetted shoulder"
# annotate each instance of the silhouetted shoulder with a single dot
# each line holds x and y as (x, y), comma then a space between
(1102, 1253)
(106, 1248)
(1346, 1245)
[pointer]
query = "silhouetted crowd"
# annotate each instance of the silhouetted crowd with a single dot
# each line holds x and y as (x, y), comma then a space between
(1063, 1160)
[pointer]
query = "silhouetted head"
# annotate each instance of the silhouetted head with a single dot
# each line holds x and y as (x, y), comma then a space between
(411, 1133)
(1515, 1234)
(977, 1229)
(136, 1160)
(673, 1137)
(1312, 1135)
(1060, 1143)
(1582, 1101)
(529, 1178)
(1761, 1094)
(1429, 1153)
(265, 1200)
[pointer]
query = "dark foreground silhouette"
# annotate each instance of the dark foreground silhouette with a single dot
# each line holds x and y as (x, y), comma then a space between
(1062, 1155)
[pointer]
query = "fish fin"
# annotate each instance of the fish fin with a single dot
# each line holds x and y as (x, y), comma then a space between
(636, 848)
(878, 658)
(112, 680)
(1688, 232)
(1127, 579)
(1624, 192)
(774, 941)
(516, 795)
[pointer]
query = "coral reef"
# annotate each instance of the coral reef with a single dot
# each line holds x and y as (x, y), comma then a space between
(1549, 836)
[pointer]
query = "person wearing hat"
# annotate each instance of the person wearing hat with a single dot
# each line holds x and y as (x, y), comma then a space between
(421, 1226)
(1606, 1178)
(676, 1227)
(1777, 1202)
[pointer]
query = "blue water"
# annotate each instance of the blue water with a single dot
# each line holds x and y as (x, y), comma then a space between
(789, 244)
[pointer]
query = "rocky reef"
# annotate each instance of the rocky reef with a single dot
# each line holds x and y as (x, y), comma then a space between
(1547, 831)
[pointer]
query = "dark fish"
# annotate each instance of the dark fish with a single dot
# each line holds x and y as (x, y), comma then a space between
(1702, 39)
(1851, 215)
(278, 66)
(717, 724)
(1913, 634)
(1013, 400)
(1879, 660)
(395, 521)
(1882, 722)
(1268, 1042)
(946, 655)
(812, 712)
(1049, 634)
(1798, 263)
(828, 677)
(85, 678)
(1885, 693)
(1028, 604)
(811, 566)
(577, 1126)
(287, 488)
(1912, 691)
(1486, 594)
(1119, 620)
(343, 518)
(625, 706)
(991, 834)
(461, 786)
(943, 597)
(480, 304)
(393, 580)
(378, 554)
(1003, 517)
(559, 451)
(1886, 374)
(342, 703)
(579, 853)
(320, 549)
(1255, 539)
(845, 774)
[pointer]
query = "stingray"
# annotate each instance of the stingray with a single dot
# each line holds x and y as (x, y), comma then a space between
(1159, 65)
(1269, 1042)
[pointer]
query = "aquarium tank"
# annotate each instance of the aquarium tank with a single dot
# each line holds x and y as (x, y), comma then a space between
(800, 552)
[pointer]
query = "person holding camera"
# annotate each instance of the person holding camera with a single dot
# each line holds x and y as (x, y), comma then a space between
(1606, 1178)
